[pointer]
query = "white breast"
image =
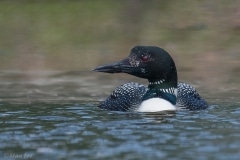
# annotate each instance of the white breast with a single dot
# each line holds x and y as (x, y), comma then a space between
(156, 105)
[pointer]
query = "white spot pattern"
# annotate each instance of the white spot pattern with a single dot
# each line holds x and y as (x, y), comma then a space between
(157, 82)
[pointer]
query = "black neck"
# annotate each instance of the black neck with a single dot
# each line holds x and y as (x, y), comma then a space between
(161, 89)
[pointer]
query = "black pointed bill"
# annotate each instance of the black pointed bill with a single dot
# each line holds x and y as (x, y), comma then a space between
(122, 66)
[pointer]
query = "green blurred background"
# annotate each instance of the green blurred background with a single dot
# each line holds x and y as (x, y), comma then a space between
(202, 36)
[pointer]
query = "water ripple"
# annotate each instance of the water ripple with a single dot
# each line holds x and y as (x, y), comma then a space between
(82, 130)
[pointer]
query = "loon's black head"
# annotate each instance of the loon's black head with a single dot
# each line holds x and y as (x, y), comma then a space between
(149, 62)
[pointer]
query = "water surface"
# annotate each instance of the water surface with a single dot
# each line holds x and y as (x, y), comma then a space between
(54, 115)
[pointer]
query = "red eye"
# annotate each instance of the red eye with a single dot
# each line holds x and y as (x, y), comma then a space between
(145, 58)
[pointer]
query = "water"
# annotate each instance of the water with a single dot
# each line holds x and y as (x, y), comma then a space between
(54, 115)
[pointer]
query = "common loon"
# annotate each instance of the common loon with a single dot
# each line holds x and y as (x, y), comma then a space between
(164, 92)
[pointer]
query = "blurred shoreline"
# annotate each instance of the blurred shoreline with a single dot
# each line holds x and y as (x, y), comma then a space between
(42, 38)
(71, 35)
